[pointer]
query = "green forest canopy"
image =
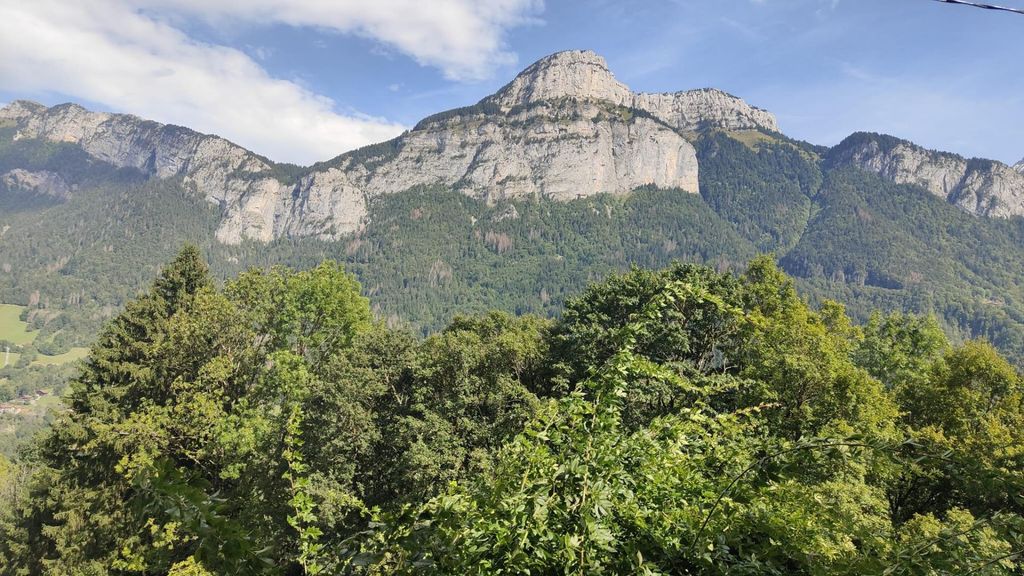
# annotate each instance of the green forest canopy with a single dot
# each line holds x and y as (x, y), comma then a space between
(683, 421)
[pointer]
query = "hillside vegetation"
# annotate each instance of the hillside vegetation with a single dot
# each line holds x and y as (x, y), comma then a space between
(682, 421)
(427, 254)
(30, 382)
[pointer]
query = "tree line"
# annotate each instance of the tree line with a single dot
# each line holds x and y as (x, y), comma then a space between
(680, 421)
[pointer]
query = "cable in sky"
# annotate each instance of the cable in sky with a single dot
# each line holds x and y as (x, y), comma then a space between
(985, 6)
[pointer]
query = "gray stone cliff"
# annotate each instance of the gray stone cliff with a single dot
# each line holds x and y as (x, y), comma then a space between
(564, 128)
(43, 183)
(982, 187)
(584, 75)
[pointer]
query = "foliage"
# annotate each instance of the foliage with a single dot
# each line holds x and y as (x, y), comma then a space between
(427, 255)
(708, 486)
(765, 193)
(683, 421)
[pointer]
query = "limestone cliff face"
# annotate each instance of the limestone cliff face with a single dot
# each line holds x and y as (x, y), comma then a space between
(584, 75)
(562, 129)
(554, 149)
(254, 204)
(43, 183)
(982, 187)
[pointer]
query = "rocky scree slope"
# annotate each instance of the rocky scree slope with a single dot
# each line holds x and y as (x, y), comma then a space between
(564, 128)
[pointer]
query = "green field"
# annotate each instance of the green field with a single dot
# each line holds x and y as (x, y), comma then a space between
(12, 329)
(11, 359)
(69, 356)
(752, 138)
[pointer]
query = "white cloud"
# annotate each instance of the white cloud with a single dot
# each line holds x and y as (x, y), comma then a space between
(119, 54)
(464, 38)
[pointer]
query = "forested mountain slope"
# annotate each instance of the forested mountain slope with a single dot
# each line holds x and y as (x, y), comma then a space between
(90, 204)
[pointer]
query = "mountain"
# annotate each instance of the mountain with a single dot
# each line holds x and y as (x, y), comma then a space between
(564, 128)
(517, 202)
(221, 172)
(978, 186)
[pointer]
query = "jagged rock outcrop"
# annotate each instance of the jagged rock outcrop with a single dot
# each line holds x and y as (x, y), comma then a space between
(583, 75)
(254, 203)
(982, 187)
(43, 183)
(1019, 166)
(18, 110)
(570, 74)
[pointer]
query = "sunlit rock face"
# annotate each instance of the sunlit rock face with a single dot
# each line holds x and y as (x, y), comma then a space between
(562, 129)
(982, 187)
(255, 205)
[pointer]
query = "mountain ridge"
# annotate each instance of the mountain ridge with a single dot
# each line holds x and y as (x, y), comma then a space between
(978, 186)
(70, 222)
(563, 128)
(558, 144)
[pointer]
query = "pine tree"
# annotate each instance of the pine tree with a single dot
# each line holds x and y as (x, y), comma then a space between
(82, 521)
(183, 278)
(117, 366)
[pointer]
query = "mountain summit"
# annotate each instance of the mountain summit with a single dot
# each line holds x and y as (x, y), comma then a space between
(584, 75)
(564, 128)
(578, 74)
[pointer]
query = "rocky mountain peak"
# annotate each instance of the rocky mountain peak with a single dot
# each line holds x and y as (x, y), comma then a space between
(1019, 166)
(128, 141)
(562, 129)
(581, 74)
(20, 109)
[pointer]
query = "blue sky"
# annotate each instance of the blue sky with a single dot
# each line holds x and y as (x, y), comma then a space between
(303, 80)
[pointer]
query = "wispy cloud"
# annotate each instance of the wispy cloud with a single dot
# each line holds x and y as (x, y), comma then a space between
(131, 55)
(463, 38)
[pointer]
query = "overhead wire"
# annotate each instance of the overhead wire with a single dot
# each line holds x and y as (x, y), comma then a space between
(983, 5)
